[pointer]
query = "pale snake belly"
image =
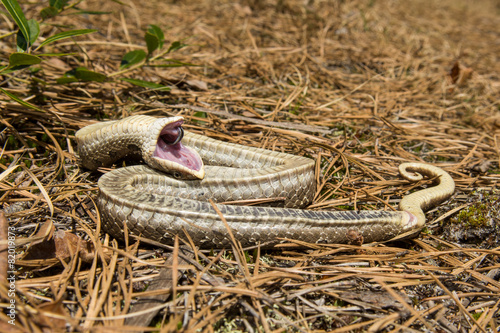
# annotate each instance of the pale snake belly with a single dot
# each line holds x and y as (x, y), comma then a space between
(158, 204)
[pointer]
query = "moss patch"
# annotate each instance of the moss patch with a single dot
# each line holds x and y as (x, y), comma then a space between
(478, 223)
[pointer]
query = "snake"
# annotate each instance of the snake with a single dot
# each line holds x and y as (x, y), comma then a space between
(188, 183)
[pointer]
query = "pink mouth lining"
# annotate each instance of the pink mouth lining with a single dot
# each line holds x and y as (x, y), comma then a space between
(177, 152)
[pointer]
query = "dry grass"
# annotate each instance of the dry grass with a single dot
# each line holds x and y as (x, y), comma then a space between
(360, 86)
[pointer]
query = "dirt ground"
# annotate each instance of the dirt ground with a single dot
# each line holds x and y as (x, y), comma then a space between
(360, 86)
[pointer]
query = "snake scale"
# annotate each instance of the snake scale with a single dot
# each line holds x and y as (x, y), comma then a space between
(171, 196)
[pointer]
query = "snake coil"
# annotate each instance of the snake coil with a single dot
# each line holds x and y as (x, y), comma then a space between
(157, 206)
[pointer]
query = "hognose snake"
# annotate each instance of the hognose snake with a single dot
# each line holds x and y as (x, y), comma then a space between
(155, 203)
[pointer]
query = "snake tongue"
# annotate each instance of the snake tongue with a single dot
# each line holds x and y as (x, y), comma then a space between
(176, 156)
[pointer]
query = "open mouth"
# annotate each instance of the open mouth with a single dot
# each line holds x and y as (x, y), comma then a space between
(170, 148)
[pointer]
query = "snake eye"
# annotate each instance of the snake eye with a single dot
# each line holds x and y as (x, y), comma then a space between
(177, 174)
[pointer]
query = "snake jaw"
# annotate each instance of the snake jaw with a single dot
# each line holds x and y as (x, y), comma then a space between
(168, 152)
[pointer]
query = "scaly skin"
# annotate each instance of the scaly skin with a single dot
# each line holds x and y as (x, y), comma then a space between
(158, 207)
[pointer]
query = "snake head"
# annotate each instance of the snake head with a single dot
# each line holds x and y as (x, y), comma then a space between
(164, 150)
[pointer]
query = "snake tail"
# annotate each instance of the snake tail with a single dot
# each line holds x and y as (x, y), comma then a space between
(418, 202)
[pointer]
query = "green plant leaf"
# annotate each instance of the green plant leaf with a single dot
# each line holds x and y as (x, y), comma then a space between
(156, 30)
(152, 42)
(20, 101)
(23, 59)
(66, 34)
(21, 43)
(200, 114)
(58, 4)
(176, 46)
(154, 38)
(90, 12)
(146, 84)
(131, 58)
(65, 80)
(173, 63)
(81, 74)
(17, 14)
(48, 12)
(34, 30)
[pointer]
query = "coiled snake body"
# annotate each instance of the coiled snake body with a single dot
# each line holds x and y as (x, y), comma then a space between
(159, 206)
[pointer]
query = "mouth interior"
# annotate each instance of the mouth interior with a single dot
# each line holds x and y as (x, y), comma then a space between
(170, 148)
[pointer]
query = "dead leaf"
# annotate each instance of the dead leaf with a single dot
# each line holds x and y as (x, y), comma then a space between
(45, 232)
(354, 237)
(454, 72)
(200, 85)
(61, 244)
(375, 299)
(459, 75)
(480, 166)
(465, 75)
(57, 63)
(49, 323)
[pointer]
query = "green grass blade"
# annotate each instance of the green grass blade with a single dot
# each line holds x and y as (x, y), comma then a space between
(90, 12)
(173, 63)
(66, 34)
(20, 101)
(146, 84)
(17, 14)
